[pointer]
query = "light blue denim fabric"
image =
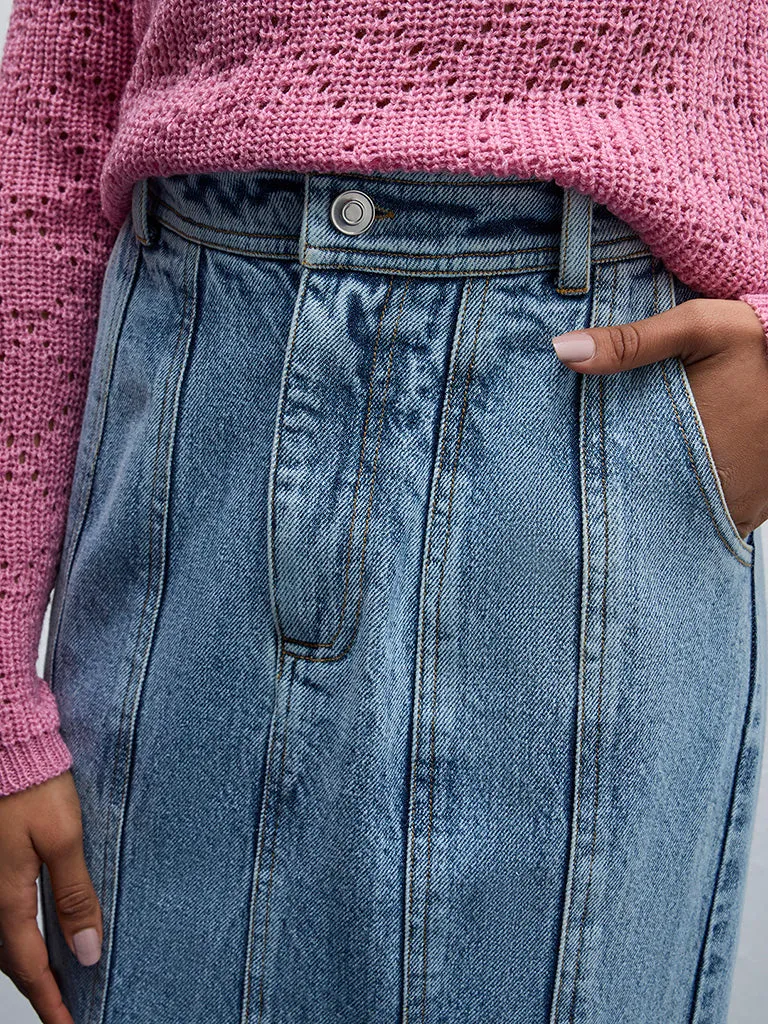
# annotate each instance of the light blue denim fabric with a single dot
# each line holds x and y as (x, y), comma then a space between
(409, 675)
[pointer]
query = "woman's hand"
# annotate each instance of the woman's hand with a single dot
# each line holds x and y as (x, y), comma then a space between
(43, 824)
(723, 347)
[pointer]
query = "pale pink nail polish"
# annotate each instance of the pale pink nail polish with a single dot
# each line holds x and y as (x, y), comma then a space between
(87, 946)
(574, 347)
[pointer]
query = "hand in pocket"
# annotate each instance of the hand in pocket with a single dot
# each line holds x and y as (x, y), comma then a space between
(724, 349)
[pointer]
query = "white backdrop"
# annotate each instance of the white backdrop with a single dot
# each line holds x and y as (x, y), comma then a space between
(750, 987)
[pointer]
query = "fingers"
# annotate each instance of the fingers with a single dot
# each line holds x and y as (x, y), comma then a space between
(60, 846)
(77, 905)
(24, 957)
(692, 330)
(43, 824)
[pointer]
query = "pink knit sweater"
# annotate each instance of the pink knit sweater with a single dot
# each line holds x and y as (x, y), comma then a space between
(658, 108)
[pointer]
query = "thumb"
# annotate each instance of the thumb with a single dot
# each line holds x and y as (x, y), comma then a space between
(77, 905)
(58, 840)
(692, 330)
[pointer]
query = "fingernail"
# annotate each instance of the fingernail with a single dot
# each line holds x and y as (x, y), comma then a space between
(574, 347)
(87, 946)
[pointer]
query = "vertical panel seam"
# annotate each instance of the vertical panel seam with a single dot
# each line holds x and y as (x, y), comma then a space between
(583, 635)
(186, 329)
(438, 599)
(419, 666)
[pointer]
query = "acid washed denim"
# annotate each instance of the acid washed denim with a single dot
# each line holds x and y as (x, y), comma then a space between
(410, 676)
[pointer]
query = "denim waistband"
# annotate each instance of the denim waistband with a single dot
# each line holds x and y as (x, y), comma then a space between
(435, 224)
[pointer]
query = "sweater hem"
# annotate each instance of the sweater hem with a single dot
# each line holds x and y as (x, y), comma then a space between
(548, 139)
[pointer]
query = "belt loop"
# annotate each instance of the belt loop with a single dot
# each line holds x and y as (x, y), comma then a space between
(575, 243)
(145, 231)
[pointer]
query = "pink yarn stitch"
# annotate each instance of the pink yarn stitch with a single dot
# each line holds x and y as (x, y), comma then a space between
(659, 110)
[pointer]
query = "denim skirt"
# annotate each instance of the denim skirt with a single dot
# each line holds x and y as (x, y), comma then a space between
(410, 676)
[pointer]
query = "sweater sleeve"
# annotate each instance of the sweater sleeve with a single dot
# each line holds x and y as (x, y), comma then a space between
(62, 73)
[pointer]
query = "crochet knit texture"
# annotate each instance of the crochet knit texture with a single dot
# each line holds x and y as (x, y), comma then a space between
(658, 109)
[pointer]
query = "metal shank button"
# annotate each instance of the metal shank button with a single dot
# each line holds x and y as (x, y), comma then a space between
(352, 212)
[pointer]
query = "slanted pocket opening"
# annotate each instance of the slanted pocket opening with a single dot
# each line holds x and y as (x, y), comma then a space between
(700, 459)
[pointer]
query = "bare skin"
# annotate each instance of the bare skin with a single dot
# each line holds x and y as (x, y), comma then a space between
(722, 345)
(42, 824)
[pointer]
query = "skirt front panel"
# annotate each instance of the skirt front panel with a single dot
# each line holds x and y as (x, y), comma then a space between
(408, 674)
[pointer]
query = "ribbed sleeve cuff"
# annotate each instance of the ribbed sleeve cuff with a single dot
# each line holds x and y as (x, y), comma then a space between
(759, 303)
(32, 761)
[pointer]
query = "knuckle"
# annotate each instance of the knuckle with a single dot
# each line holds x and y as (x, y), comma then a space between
(624, 343)
(74, 901)
(702, 322)
(66, 841)
(15, 898)
(27, 977)
(702, 312)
